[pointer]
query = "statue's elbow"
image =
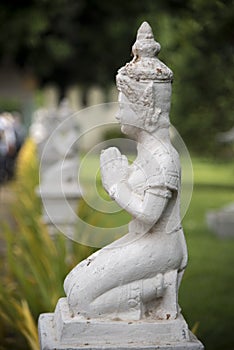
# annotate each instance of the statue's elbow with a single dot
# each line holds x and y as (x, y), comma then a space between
(150, 217)
(147, 219)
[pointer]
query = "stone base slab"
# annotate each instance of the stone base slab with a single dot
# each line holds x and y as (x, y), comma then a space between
(61, 331)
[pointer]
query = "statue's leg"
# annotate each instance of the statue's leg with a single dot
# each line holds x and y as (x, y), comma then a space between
(122, 302)
(130, 301)
(110, 282)
(154, 297)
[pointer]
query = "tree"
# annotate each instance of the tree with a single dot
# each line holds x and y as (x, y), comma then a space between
(202, 53)
(70, 41)
(86, 41)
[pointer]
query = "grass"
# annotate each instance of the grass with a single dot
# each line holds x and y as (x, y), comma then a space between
(36, 265)
(206, 293)
(213, 172)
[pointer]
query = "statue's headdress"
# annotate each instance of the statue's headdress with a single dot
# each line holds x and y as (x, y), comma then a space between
(139, 78)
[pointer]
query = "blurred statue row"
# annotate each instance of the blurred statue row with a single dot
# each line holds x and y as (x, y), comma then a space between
(56, 134)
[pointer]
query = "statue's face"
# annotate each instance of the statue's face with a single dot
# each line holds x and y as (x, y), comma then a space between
(127, 117)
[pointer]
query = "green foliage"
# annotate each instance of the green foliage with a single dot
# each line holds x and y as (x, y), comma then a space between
(201, 55)
(85, 42)
(10, 105)
(35, 264)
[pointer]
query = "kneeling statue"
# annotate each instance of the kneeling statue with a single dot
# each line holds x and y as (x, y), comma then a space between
(138, 276)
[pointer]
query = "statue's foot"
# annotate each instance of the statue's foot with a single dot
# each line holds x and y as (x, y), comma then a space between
(168, 308)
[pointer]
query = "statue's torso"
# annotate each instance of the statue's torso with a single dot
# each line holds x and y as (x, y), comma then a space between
(159, 173)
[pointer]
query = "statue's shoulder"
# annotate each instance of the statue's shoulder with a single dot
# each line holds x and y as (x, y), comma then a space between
(165, 169)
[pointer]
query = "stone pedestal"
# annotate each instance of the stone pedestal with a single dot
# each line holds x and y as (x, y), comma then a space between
(61, 331)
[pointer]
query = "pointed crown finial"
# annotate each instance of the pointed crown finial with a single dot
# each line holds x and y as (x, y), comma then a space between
(145, 65)
(145, 31)
(145, 45)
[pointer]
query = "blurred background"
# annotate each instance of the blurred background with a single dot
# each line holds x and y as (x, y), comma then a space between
(83, 43)
(52, 49)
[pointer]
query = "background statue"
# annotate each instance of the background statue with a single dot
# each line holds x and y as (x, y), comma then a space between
(138, 276)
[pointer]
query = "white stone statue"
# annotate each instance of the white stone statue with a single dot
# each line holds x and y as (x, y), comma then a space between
(137, 277)
(125, 296)
(60, 150)
(55, 133)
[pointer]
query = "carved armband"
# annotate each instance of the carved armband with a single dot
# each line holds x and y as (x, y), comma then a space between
(163, 184)
(159, 191)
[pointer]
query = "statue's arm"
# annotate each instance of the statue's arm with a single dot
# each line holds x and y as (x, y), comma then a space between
(147, 209)
(115, 173)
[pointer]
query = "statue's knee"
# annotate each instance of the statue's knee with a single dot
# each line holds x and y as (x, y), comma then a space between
(79, 299)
